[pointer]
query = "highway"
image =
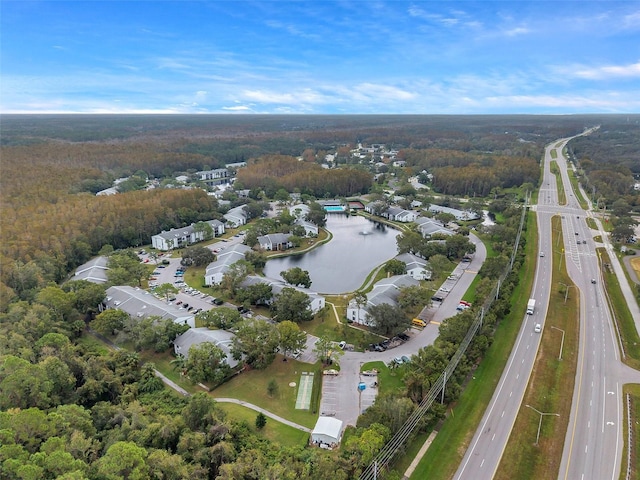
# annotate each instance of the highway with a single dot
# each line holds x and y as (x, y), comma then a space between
(593, 445)
(487, 446)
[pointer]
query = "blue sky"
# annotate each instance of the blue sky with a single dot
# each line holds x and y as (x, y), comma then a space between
(323, 57)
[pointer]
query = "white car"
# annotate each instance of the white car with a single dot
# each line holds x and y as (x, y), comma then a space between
(542, 254)
(537, 328)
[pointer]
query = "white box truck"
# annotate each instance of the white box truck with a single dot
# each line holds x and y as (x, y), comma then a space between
(531, 305)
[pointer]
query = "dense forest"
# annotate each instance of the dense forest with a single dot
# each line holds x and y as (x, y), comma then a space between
(71, 411)
(610, 159)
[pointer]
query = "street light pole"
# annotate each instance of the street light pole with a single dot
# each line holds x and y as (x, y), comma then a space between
(561, 342)
(542, 414)
(566, 290)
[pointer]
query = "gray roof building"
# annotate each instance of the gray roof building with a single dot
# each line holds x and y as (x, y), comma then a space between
(141, 304)
(95, 270)
(196, 336)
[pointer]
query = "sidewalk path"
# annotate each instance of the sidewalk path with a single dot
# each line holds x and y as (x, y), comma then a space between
(262, 410)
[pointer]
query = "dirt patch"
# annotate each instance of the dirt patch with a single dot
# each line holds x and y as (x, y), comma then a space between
(635, 264)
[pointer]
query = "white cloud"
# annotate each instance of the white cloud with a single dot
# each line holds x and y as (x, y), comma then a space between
(606, 71)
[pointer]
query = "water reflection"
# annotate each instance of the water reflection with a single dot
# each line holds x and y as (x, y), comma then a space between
(358, 246)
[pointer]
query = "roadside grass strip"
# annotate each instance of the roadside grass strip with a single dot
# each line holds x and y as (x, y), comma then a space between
(550, 386)
(305, 388)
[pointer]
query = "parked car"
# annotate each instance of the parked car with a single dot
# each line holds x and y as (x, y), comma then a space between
(217, 301)
(342, 344)
(403, 336)
(405, 359)
(398, 360)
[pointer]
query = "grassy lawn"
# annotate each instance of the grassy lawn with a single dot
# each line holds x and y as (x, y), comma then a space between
(550, 388)
(622, 315)
(574, 183)
(162, 362)
(554, 153)
(251, 386)
(634, 391)
(562, 196)
(445, 453)
(92, 344)
(591, 223)
(274, 431)
(389, 380)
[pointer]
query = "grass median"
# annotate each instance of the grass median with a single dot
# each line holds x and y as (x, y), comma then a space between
(550, 387)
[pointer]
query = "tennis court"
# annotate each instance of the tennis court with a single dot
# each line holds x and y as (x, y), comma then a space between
(303, 402)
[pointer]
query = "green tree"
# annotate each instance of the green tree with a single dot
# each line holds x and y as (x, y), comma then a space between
(317, 214)
(88, 294)
(256, 341)
(255, 258)
(206, 362)
(235, 275)
(414, 296)
(261, 421)
(201, 412)
(205, 228)
(60, 303)
(272, 387)
(110, 321)
(291, 304)
(124, 460)
(197, 256)
(395, 267)
(291, 338)
(387, 319)
(221, 317)
(257, 294)
(166, 290)
(296, 276)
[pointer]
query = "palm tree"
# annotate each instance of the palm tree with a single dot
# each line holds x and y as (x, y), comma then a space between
(360, 299)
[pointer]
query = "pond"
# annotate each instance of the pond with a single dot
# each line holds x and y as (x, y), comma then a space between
(358, 246)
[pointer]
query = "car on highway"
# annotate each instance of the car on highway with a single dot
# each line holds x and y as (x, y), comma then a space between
(593, 280)
(542, 254)
(537, 328)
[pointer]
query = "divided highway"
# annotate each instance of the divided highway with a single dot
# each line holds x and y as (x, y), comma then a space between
(593, 444)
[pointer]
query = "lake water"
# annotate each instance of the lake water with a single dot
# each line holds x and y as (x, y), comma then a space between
(341, 265)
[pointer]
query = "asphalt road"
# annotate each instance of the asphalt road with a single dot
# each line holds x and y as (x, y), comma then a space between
(594, 442)
(487, 446)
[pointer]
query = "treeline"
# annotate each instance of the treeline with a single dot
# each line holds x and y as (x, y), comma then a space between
(609, 158)
(463, 173)
(61, 234)
(277, 171)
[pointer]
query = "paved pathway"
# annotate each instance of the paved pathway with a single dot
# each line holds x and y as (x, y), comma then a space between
(262, 410)
(627, 263)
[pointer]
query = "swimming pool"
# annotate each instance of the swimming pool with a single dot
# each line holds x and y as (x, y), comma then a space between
(334, 208)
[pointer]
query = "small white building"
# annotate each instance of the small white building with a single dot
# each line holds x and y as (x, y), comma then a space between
(215, 270)
(183, 237)
(417, 267)
(327, 433)
(236, 217)
(316, 301)
(386, 291)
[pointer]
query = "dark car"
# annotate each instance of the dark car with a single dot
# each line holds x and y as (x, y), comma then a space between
(403, 336)
(436, 299)
(185, 305)
(217, 301)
